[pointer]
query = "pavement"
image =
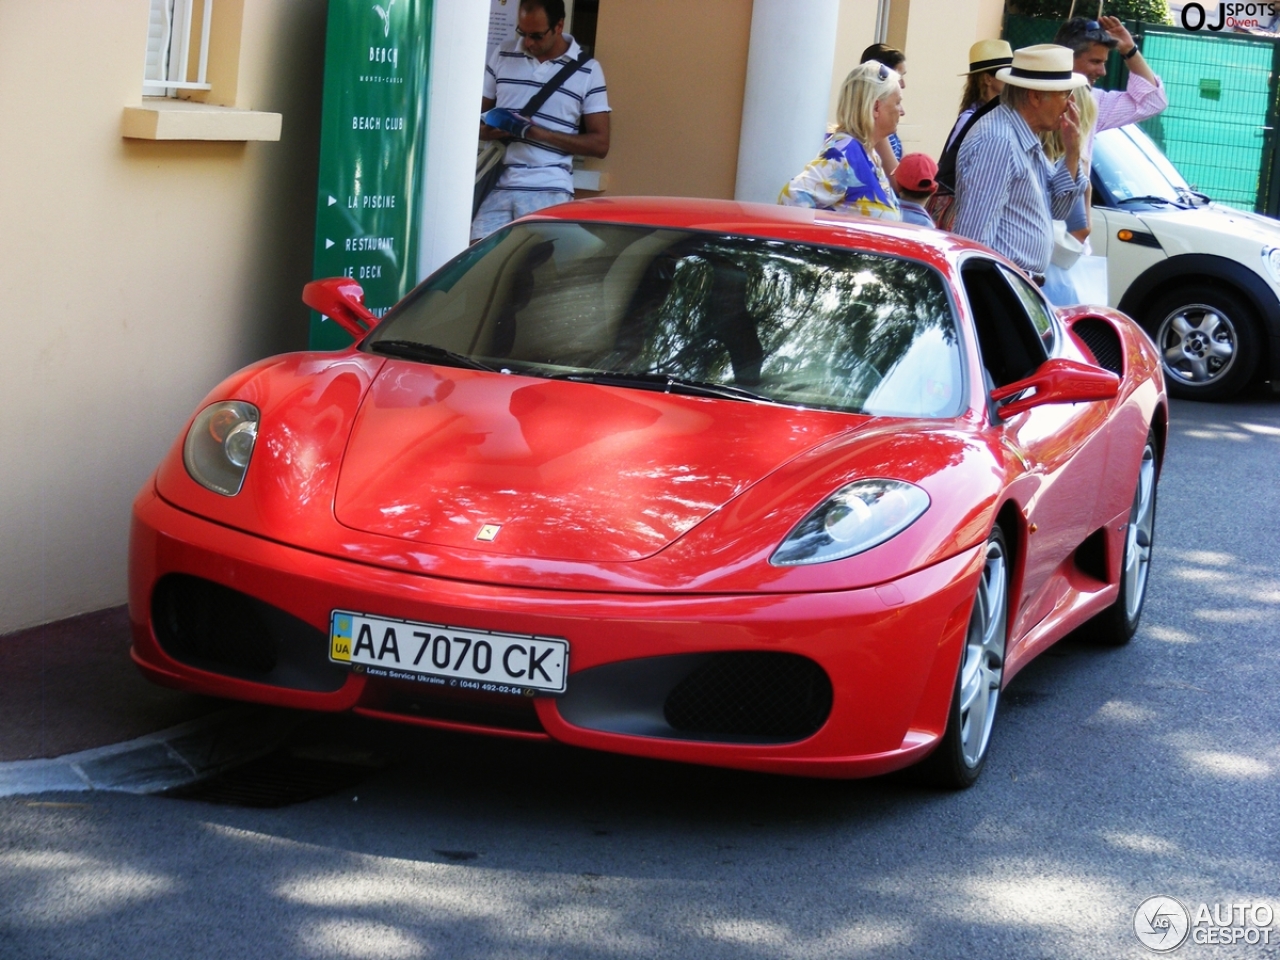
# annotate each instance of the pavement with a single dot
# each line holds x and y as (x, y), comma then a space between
(76, 714)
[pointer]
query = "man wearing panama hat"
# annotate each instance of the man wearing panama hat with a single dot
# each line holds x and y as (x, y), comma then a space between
(1007, 192)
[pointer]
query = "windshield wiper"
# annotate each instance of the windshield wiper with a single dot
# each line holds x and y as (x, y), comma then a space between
(426, 353)
(1194, 194)
(1165, 200)
(665, 383)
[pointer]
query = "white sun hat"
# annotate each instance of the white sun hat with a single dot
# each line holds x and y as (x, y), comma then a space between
(1045, 66)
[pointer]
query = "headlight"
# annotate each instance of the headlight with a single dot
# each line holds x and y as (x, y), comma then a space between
(855, 518)
(1271, 257)
(219, 445)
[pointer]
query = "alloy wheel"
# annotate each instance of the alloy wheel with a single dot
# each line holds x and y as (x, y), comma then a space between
(1138, 535)
(983, 668)
(1198, 343)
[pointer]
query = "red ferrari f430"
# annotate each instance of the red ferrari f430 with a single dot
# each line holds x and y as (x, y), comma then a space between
(741, 485)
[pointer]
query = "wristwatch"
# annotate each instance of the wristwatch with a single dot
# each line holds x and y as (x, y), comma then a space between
(1131, 54)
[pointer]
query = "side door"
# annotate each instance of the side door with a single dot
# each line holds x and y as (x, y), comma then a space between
(1059, 448)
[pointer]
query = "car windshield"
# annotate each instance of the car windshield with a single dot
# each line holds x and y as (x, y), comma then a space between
(1132, 166)
(692, 312)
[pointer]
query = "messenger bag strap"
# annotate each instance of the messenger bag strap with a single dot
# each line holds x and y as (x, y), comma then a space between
(555, 83)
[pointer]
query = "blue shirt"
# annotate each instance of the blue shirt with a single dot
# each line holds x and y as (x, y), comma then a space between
(1007, 192)
(844, 177)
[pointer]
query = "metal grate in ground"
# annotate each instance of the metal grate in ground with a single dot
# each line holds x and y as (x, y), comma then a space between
(279, 779)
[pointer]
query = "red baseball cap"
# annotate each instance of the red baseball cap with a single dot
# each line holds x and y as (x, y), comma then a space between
(917, 172)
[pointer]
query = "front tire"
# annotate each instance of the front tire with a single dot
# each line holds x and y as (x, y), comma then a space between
(962, 752)
(1208, 341)
(1116, 625)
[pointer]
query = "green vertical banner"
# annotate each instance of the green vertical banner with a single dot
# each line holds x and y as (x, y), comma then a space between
(372, 149)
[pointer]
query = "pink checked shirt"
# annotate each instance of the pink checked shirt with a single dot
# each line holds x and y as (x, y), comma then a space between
(1138, 101)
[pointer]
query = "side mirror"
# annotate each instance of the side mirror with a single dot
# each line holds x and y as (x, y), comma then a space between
(1058, 381)
(340, 299)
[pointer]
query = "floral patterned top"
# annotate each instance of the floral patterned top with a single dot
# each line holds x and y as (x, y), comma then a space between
(843, 177)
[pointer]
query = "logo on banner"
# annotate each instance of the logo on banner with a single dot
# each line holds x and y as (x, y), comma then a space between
(387, 17)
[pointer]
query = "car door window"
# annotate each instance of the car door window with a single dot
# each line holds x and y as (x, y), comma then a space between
(1010, 343)
(1037, 310)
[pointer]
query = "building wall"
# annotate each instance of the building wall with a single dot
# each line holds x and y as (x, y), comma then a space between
(676, 70)
(939, 34)
(136, 275)
(676, 73)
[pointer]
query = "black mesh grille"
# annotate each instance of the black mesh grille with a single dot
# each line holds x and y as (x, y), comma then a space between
(1101, 338)
(214, 628)
(767, 695)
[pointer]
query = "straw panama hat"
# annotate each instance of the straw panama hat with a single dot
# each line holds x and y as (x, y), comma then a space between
(1046, 66)
(988, 55)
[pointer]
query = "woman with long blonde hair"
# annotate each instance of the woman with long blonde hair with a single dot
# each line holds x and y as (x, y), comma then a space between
(847, 175)
(1078, 221)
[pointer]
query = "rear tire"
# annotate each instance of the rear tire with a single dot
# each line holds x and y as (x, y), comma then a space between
(962, 752)
(1208, 341)
(1116, 625)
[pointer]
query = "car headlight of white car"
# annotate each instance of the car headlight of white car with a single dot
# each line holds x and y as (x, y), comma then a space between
(1271, 257)
(219, 445)
(857, 517)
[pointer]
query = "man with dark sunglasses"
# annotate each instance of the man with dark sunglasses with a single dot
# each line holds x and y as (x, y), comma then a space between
(572, 121)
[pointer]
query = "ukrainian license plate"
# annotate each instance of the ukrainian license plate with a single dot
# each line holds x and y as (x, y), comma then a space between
(459, 657)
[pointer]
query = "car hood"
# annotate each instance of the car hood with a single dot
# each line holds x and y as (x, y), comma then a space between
(526, 467)
(1206, 229)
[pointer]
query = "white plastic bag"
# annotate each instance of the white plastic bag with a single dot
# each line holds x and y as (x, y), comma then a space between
(1085, 282)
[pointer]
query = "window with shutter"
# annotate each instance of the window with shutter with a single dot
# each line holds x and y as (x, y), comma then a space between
(169, 35)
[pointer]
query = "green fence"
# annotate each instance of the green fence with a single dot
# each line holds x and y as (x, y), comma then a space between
(1219, 127)
(1217, 130)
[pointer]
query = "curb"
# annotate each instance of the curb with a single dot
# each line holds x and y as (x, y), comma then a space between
(158, 761)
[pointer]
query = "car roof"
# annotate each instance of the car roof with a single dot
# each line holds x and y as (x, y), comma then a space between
(772, 221)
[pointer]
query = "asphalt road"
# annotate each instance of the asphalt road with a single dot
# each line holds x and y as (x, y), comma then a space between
(1116, 775)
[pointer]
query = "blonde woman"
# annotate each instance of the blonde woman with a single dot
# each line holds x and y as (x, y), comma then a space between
(1078, 223)
(847, 175)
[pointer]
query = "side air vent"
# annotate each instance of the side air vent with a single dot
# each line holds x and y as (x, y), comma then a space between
(1101, 338)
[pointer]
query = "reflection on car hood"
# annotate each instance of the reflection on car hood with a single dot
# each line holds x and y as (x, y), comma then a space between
(563, 470)
(1205, 229)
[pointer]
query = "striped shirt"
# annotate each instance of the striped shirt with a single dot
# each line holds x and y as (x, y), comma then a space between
(1007, 192)
(511, 79)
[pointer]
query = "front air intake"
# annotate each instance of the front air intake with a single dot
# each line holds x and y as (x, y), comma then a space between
(754, 695)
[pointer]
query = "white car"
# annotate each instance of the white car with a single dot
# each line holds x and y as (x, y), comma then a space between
(1203, 279)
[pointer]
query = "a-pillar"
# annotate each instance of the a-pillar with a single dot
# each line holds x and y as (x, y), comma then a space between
(784, 105)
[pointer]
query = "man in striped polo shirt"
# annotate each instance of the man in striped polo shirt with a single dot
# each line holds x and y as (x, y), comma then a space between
(1007, 192)
(538, 166)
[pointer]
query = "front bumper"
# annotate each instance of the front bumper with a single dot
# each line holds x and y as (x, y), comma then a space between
(889, 652)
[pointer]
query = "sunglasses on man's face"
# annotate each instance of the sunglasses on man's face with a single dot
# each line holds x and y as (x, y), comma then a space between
(535, 37)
